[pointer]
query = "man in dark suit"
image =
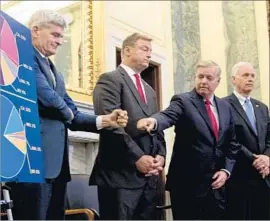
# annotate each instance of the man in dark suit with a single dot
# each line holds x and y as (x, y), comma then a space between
(57, 113)
(125, 189)
(249, 187)
(204, 149)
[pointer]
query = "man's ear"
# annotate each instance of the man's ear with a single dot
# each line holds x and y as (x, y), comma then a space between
(35, 31)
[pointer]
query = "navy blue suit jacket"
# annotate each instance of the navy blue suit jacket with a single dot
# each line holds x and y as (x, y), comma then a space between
(251, 142)
(55, 117)
(197, 155)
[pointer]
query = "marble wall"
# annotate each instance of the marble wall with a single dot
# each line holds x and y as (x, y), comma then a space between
(186, 43)
(196, 36)
(240, 32)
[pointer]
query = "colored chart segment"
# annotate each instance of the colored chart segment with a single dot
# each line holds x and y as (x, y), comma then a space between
(14, 143)
(9, 54)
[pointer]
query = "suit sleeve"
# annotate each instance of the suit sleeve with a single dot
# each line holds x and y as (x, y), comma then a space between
(81, 121)
(161, 144)
(170, 115)
(107, 97)
(233, 147)
(48, 97)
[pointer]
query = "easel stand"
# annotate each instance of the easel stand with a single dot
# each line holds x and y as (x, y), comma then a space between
(6, 204)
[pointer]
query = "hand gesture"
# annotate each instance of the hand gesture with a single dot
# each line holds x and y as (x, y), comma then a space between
(118, 118)
(147, 124)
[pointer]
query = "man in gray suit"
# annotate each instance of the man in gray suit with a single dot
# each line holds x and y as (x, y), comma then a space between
(57, 113)
(127, 156)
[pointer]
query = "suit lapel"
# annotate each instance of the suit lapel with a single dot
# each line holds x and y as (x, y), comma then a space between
(44, 68)
(221, 116)
(237, 106)
(151, 103)
(258, 117)
(134, 91)
(198, 102)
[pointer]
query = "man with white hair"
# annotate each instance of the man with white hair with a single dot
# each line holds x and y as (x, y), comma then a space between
(57, 113)
(249, 187)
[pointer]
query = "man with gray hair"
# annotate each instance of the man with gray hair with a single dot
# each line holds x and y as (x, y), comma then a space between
(249, 186)
(57, 113)
(204, 149)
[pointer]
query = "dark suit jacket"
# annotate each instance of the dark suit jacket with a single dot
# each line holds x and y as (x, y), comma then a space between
(251, 143)
(119, 149)
(55, 117)
(196, 153)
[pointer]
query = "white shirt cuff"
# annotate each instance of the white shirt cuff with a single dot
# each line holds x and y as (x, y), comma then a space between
(99, 122)
(226, 171)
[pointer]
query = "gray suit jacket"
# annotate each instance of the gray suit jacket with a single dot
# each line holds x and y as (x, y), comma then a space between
(55, 117)
(119, 149)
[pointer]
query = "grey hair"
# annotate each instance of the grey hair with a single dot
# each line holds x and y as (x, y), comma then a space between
(208, 64)
(237, 66)
(42, 18)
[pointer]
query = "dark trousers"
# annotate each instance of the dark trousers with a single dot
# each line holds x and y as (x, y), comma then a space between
(130, 204)
(248, 200)
(35, 201)
(188, 207)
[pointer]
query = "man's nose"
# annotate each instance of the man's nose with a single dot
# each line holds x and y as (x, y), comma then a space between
(203, 80)
(59, 41)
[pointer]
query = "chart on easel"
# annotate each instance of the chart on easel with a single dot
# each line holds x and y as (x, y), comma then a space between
(20, 149)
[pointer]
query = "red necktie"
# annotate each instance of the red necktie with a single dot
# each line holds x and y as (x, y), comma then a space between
(212, 118)
(139, 87)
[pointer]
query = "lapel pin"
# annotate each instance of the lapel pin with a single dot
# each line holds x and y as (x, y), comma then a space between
(257, 105)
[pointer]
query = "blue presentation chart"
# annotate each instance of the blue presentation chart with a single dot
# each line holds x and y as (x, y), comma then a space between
(20, 143)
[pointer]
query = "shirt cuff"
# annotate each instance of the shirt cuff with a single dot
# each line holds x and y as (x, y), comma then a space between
(99, 122)
(226, 171)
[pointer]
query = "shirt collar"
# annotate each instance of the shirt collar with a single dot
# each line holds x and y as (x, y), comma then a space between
(240, 97)
(42, 55)
(129, 70)
(211, 99)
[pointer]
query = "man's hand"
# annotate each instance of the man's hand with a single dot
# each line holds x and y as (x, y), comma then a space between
(265, 172)
(262, 164)
(158, 166)
(145, 163)
(146, 124)
(220, 178)
(118, 118)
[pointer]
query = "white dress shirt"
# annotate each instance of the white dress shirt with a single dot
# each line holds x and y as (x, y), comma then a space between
(131, 74)
(214, 109)
(242, 100)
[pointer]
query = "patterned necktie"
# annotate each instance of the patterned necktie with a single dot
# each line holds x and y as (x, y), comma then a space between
(212, 118)
(250, 114)
(139, 87)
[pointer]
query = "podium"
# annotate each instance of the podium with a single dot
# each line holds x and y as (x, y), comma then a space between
(20, 143)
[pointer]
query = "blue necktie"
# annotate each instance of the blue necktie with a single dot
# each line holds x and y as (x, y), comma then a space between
(250, 114)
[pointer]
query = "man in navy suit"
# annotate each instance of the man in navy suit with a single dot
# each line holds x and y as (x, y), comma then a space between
(249, 186)
(57, 113)
(204, 150)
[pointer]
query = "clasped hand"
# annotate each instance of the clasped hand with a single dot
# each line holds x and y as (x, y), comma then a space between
(149, 165)
(262, 164)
